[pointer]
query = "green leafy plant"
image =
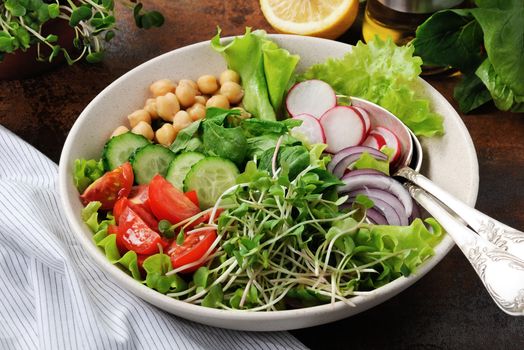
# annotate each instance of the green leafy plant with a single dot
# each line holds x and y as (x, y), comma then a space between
(22, 25)
(486, 44)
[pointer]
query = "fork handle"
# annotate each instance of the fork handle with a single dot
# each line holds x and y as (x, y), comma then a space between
(501, 273)
(501, 235)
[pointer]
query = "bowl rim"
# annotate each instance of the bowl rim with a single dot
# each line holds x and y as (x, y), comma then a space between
(362, 302)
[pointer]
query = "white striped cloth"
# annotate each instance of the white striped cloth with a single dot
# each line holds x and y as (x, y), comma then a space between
(52, 296)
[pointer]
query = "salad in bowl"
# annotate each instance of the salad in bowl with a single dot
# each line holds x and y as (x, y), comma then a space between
(247, 195)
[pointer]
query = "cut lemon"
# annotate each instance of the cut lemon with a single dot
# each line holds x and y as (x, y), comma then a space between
(322, 18)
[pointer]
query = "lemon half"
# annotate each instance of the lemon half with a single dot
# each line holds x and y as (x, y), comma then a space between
(322, 18)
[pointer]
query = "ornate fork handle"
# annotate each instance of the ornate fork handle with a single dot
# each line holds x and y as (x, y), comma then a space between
(501, 272)
(501, 235)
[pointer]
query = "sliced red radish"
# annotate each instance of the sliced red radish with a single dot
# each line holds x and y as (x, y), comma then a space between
(364, 114)
(343, 127)
(310, 128)
(391, 139)
(374, 140)
(312, 97)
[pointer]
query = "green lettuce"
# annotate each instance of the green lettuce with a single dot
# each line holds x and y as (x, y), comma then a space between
(86, 172)
(410, 246)
(265, 70)
(385, 74)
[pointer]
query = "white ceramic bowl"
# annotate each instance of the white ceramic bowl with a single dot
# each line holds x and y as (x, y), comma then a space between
(450, 161)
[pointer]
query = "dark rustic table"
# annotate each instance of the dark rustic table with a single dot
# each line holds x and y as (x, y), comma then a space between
(446, 309)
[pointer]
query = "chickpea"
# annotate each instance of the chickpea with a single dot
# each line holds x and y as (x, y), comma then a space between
(197, 111)
(207, 84)
(229, 75)
(219, 101)
(144, 129)
(138, 116)
(166, 134)
(181, 121)
(201, 99)
(232, 91)
(186, 94)
(162, 87)
(150, 107)
(188, 82)
(167, 106)
(119, 131)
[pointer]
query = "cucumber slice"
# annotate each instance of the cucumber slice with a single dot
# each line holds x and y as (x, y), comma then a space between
(210, 177)
(149, 161)
(180, 166)
(119, 148)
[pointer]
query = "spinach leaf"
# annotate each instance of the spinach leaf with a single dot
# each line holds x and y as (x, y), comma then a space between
(293, 158)
(504, 97)
(218, 115)
(259, 144)
(451, 37)
(471, 93)
(229, 143)
(256, 127)
(184, 137)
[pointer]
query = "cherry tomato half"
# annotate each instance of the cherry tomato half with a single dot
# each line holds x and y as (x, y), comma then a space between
(110, 187)
(192, 196)
(136, 235)
(194, 247)
(169, 203)
(140, 205)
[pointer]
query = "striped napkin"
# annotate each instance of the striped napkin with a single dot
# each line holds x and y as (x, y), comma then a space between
(52, 296)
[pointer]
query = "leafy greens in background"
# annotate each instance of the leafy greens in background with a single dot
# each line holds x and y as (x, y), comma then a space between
(385, 74)
(486, 44)
(264, 68)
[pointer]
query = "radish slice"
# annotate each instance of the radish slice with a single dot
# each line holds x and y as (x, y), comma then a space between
(391, 139)
(343, 127)
(310, 128)
(364, 114)
(374, 140)
(313, 97)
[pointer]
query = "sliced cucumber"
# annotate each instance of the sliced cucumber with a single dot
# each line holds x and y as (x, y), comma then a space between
(119, 148)
(149, 161)
(180, 166)
(210, 177)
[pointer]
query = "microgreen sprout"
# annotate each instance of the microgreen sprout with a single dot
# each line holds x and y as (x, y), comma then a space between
(23, 22)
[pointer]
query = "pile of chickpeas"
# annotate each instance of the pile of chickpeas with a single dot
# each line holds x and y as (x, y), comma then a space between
(178, 105)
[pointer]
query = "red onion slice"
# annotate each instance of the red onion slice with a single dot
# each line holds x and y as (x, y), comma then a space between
(381, 182)
(379, 197)
(362, 172)
(388, 211)
(376, 217)
(342, 159)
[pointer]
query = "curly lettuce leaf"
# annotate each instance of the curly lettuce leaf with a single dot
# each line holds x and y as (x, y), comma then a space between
(86, 172)
(265, 70)
(385, 74)
(409, 245)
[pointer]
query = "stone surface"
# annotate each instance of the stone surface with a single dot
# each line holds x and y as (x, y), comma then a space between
(446, 309)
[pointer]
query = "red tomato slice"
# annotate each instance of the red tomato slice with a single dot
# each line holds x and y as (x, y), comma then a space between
(142, 209)
(194, 247)
(192, 196)
(136, 235)
(110, 187)
(169, 203)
